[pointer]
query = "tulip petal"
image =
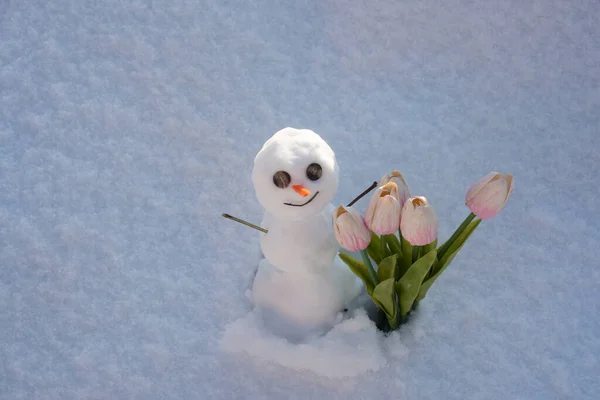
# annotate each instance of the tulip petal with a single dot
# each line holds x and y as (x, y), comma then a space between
(490, 200)
(387, 216)
(403, 190)
(488, 196)
(419, 222)
(383, 212)
(477, 186)
(350, 229)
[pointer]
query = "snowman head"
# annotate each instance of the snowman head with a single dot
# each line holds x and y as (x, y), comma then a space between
(295, 174)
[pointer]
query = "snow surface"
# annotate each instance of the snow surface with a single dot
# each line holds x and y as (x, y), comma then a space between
(352, 347)
(126, 128)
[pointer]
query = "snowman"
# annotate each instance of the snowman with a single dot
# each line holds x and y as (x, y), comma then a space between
(301, 283)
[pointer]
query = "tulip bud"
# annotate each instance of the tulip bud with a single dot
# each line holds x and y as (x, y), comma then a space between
(383, 212)
(488, 196)
(419, 221)
(403, 189)
(350, 229)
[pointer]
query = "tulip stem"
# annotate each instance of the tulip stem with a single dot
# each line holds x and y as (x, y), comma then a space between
(428, 247)
(394, 244)
(416, 253)
(370, 270)
(360, 196)
(400, 242)
(407, 250)
(455, 235)
(241, 221)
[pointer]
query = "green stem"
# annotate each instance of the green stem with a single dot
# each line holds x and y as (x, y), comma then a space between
(394, 244)
(383, 247)
(370, 270)
(399, 236)
(396, 322)
(455, 235)
(393, 322)
(416, 253)
(407, 251)
(428, 247)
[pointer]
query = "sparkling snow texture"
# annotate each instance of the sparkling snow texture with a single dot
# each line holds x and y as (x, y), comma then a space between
(128, 127)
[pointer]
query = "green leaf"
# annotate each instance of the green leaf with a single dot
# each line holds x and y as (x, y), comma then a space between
(444, 247)
(447, 258)
(359, 269)
(429, 281)
(406, 260)
(408, 286)
(394, 243)
(457, 244)
(385, 297)
(369, 265)
(374, 248)
(387, 268)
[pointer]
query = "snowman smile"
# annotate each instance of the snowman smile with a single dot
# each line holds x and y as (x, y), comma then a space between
(300, 205)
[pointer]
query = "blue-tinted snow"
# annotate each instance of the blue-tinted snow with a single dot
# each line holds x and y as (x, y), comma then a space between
(126, 128)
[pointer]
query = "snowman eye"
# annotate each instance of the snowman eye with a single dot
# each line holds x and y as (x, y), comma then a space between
(281, 179)
(314, 171)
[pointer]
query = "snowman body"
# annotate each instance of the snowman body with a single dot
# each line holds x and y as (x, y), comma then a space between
(306, 245)
(301, 283)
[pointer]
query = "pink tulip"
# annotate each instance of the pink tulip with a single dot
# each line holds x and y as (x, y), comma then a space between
(383, 212)
(419, 222)
(350, 229)
(488, 196)
(403, 189)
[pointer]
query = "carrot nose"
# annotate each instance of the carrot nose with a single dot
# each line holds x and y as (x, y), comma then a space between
(301, 190)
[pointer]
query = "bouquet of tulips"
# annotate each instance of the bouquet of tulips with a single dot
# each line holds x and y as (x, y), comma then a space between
(399, 236)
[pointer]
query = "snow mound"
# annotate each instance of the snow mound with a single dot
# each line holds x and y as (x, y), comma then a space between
(351, 348)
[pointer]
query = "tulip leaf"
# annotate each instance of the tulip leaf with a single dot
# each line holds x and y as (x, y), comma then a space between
(374, 248)
(456, 246)
(359, 269)
(429, 281)
(406, 260)
(385, 298)
(447, 258)
(408, 286)
(444, 247)
(387, 268)
(394, 244)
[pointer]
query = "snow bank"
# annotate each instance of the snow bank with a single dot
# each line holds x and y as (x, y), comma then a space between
(351, 348)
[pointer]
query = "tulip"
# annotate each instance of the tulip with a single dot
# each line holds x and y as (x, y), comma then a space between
(383, 211)
(403, 189)
(488, 196)
(350, 229)
(419, 222)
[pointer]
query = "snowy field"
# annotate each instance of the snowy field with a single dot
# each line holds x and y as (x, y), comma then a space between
(128, 127)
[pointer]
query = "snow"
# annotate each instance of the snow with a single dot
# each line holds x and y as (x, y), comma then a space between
(127, 128)
(298, 303)
(351, 348)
